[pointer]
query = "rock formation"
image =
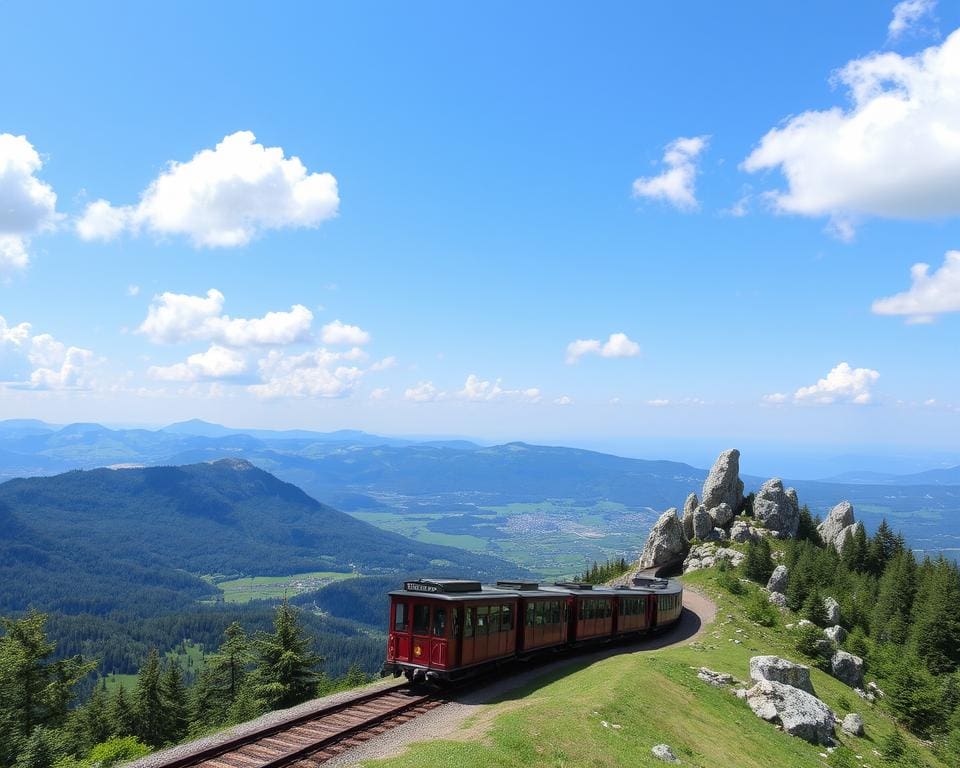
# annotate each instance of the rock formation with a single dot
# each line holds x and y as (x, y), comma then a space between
(852, 724)
(722, 514)
(778, 599)
(689, 507)
(778, 579)
(835, 634)
(799, 713)
(742, 532)
(723, 484)
(702, 523)
(716, 679)
(780, 671)
(847, 668)
(839, 518)
(707, 555)
(832, 609)
(664, 753)
(777, 509)
(665, 544)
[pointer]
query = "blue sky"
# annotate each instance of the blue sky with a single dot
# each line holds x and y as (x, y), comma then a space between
(418, 209)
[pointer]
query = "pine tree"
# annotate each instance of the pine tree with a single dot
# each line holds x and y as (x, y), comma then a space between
(286, 666)
(229, 664)
(356, 677)
(174, 697)
(807, 529)
(935, 631)
(148, 702)
(123, 719)
(206, 705)
(891, 616)
(39, 751)
(758, 564)
(814, 609)
(95, 718)
(883, 547)
(856, 550)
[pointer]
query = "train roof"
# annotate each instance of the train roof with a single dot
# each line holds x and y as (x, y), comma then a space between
(464, 589)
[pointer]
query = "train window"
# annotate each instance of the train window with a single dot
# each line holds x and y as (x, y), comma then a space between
(421, 619)
(531, 610)
(468, 622)
(494, 619)
(607, 609)
(506, 620)
(400, 618)
(539, 618)
(439, 622)
(483, 620)
(554, 612)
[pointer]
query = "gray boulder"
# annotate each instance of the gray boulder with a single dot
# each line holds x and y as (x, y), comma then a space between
(778, 599)
(663, 752)
(716, 679)
(742, 532)
(778, 579)
(777, 509)
(665, 544)
(839, 518)
(847, 668)
(850, 530)
(835, 634)
(781, 671)
(702, 523)
(852, 724)
(832, 608)
(800, 713)
(722, 514)
(689, 507)
(723, 484)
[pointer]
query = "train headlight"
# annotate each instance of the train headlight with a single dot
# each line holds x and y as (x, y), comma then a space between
(417, 651)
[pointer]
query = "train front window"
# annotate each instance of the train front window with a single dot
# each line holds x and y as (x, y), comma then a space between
(439, 622)
(400, 618)
(421, 619)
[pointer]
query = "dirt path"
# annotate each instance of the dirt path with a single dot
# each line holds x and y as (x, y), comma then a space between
(446, 722)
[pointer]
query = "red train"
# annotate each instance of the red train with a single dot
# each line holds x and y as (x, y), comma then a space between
(446, 629)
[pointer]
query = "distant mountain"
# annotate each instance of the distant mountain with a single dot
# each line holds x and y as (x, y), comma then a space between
(106, 539)
(945, 476)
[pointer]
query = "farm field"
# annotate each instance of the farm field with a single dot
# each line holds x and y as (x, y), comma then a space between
(276, 587)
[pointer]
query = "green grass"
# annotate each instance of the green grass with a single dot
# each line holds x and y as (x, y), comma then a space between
(655, 697)
(276, 587)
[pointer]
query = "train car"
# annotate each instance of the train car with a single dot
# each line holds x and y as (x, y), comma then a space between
(442, 628)
(446, 629)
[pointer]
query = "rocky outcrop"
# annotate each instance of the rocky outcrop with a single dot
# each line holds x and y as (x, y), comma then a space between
(778, 510)
(689, 507)
(723, 484)
(702, 523)
(722, 514)
(839, 518)
(707, 555)
(800, 713)
(664, 753)
(665, 544)
(835, 634)
(832, 610)
(847, 668)
(852, 724)
(780, 671)
(742, 532)
(778, 599)
(778, 579)
(850, 530)
(716, 679)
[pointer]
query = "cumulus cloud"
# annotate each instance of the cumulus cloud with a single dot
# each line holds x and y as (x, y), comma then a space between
(776, 398)
(341, 333)
(617, 345)
(216, 363)
(380, 393)
(317, 373)
(55, 365)
(385, 364)
(175, 317)
(222, 197)
(929, 294)
(476, 390)
(423, 392)
(677, 184)
(894, 152)
(563, 400)
(27, 205)
(842, 385)
(907, 15)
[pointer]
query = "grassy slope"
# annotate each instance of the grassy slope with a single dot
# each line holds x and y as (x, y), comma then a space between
(654, 697)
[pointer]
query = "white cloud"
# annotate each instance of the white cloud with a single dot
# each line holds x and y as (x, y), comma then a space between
(222, 197)
(216, 363)
(929, 295)
(843, 384)
(175, 317)
(659, 402)
(677, 184)
(777, 398)
(341, 333)
(27, 205)
(563, 400)
(54, 365)
(385, 364)
(476, 390)
(133, 290)
(423, 392)
(318, 373)
(895, 152)
(380, 393)
(617, 345)
(907, 15)
(14, 335)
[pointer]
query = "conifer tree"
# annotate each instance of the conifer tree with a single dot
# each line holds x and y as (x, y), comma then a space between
(758, 564)
(148, 702)
(891, 616)
(286, 666)
(123, 720)
(935, 630)
(205, 704)
(229, 665)
(814, 609)
(174, 698)
(95, 718)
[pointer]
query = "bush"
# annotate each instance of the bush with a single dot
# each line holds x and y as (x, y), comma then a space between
(118, 751)
(727, 578)
(761, 610)
(843, 757)
(814, 610)
(808, 641)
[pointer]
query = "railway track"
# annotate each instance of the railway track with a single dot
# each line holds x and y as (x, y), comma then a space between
(312, 738)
